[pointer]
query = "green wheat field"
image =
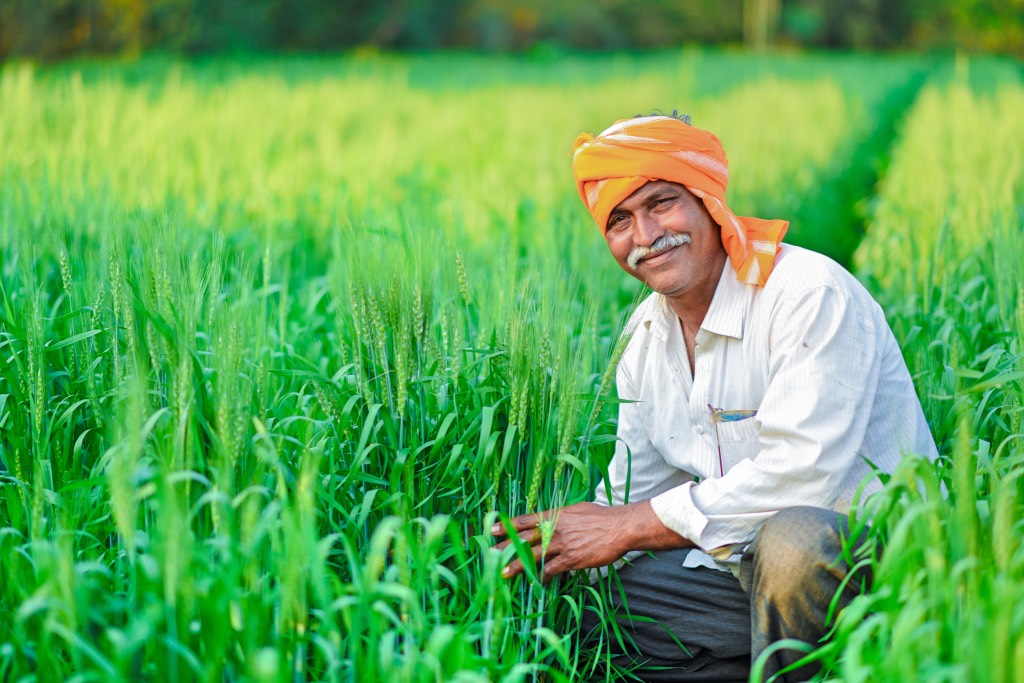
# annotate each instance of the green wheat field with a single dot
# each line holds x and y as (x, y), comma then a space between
(281, 337)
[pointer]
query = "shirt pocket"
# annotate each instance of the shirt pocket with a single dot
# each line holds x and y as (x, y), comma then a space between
(738, 441)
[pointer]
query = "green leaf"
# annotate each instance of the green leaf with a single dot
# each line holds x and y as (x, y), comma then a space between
(71, 340)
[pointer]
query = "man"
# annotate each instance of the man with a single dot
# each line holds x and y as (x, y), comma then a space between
(763, 383)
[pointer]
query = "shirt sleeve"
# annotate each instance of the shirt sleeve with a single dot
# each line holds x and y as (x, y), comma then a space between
(823, 369)
(637, 470)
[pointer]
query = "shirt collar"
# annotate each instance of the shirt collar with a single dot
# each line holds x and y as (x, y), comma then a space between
(657, 316)
(728, 308)
(725, 316)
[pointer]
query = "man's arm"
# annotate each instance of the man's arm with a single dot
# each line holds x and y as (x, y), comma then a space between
(588, 535)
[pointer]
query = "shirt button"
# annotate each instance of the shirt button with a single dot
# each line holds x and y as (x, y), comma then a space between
(699, 429)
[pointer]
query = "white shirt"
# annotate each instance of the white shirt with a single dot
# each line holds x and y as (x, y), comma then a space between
(812, 353)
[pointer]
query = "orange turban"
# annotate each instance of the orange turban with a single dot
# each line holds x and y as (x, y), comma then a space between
(612, 166)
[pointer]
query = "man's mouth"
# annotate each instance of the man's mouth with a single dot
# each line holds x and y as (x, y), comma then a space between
(653, 259)
(660, 248)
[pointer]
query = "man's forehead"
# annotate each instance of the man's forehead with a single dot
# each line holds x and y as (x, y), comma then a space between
(644, 191)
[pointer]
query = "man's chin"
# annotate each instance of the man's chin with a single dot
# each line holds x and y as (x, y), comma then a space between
(661, 284)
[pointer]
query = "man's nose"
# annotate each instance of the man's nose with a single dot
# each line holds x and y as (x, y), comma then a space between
(646, 229)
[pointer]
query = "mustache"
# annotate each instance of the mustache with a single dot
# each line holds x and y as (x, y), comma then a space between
(663, 243)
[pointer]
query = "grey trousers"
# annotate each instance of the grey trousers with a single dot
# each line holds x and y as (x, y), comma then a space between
(699, 624)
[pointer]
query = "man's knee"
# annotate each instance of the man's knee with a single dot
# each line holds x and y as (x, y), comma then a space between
(795, 545)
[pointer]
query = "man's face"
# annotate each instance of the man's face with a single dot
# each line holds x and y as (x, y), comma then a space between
(663, 236)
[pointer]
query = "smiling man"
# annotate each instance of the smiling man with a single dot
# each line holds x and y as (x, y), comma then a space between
(761, 383)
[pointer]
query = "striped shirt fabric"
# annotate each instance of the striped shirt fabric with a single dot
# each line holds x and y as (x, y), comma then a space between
(812, 354)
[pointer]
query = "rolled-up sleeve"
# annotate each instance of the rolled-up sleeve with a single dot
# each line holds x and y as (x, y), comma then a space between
(822, 373)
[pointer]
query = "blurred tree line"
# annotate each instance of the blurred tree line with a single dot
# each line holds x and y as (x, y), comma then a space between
(55, 29)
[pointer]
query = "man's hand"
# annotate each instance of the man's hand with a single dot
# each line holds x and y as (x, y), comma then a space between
(588, 535)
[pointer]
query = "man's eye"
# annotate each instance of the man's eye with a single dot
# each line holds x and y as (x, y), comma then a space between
(617, 222)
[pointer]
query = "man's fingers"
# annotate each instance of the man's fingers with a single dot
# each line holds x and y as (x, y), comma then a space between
(531, 536)
(513, 568)
(520, 524)
(559, 564)
(553, 565)
(526, 531)
(552, 568)
(516, 565)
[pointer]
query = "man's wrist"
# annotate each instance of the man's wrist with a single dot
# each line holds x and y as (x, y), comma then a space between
(645, 531)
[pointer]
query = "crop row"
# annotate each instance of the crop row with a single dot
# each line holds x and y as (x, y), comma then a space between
(943, 254)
